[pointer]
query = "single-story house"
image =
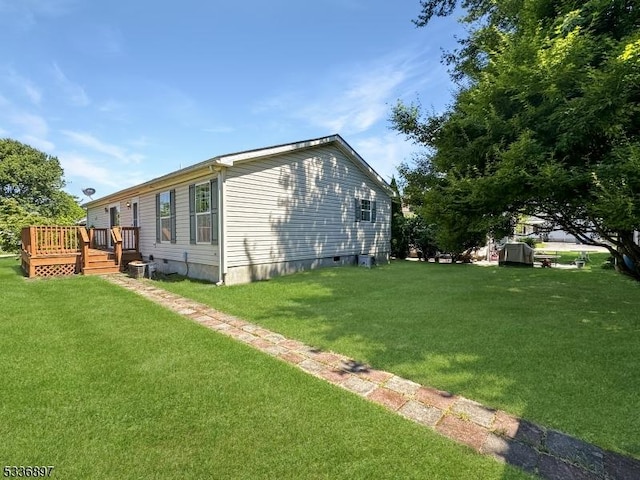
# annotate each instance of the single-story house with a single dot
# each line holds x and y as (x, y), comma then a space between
(255, 214)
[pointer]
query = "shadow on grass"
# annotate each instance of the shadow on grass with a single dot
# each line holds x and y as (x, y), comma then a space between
(547, 345)
(178, 279)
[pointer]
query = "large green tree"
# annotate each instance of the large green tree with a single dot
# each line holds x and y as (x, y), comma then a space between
(31, 193)
(545, 121)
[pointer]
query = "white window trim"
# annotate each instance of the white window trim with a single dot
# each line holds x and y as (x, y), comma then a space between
(197, 214)
(365, 210)
(168, 202)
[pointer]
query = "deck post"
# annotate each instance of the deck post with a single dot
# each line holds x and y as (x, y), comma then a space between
(84, 242)
(116, 236)
(32, 241)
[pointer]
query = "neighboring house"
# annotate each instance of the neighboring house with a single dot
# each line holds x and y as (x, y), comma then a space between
(535, 227)
(256, 214)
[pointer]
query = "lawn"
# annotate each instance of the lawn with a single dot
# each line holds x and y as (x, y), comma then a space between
(558, 347)
(101, 383)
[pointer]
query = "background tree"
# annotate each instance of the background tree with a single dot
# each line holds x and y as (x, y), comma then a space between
(546, 122)
(31, 193)
(399, 241)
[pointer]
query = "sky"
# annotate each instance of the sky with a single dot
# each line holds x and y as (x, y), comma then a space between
(122, 92)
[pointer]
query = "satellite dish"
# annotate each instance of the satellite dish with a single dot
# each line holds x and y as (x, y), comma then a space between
(89, 191)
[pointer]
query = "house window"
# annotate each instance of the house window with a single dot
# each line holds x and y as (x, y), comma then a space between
(203, 212)
(365, 210)
(166, 217)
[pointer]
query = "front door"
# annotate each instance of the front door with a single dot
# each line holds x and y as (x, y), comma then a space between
(114, 221)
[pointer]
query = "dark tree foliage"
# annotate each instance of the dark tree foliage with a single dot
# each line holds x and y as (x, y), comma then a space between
(399, 244)
(31, 193)
(546, 122)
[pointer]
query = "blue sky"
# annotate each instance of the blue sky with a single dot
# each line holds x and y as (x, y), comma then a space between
(125, 91)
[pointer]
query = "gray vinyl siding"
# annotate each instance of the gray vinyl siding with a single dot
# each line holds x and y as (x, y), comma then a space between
(97, 217)
(205, 254)
(300, 206)
(126, 214)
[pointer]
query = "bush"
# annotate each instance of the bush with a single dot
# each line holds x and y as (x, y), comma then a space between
(532, 242)
(609, 263)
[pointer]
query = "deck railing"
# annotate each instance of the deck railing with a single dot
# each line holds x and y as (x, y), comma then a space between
(64, 250)
(50, 240)
(98, 238)
(130, 238)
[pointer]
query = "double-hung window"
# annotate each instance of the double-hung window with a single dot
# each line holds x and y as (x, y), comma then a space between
(166, 216)
(203, 212)
(365, 210)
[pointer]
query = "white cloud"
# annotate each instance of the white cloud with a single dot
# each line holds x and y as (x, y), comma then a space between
(385, 152)
(88, 140)
(37, 142)
(24, 126)
(91, 171)
(24, 85)
(25, 13)
(140, 142)
(75, 92)
(357, 97)
(31, 124)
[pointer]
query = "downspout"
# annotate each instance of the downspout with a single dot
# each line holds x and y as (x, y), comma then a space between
(222, 261)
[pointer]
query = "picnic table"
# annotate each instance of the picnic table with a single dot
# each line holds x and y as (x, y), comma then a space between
(546, 258)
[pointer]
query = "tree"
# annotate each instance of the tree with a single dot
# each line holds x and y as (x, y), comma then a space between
(31, 193)
(546, 122)
(399, 242)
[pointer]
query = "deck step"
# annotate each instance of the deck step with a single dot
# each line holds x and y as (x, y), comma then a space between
(101, 270)
(101, 263)
(101, 257)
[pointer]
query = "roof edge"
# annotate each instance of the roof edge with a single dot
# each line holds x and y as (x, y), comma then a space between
(229, 160)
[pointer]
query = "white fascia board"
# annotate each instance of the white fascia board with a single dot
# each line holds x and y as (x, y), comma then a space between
(230, 160)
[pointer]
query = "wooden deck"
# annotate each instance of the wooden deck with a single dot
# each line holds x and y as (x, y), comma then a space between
(49, 251)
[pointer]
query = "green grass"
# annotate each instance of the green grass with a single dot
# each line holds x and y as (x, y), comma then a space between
(101, 383)
(558, 347)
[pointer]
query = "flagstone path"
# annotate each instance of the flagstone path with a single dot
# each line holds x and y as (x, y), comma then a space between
(544, 452)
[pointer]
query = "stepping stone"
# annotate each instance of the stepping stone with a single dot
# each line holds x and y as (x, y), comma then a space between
(420, 413)
(469, 433)
(402, 385)
(359, 386)
(474, 411)
(390, 399)
(435, 398)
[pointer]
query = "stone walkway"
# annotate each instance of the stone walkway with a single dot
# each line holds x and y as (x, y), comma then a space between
(547, 453)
